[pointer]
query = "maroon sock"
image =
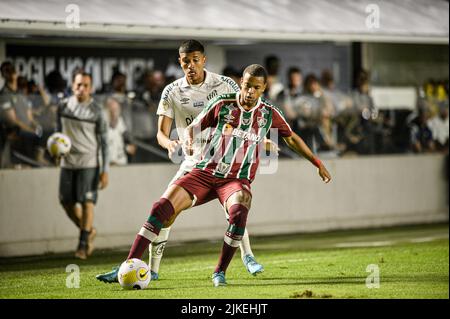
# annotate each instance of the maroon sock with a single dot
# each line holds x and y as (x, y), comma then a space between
(225, 257)
(138, 248)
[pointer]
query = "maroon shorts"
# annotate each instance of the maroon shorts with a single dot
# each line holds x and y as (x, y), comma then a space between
(205, 187)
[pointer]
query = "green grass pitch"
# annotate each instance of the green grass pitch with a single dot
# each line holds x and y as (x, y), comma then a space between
(413, 262)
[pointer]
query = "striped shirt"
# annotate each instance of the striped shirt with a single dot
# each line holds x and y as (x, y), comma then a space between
(182, 101)
(237, 136)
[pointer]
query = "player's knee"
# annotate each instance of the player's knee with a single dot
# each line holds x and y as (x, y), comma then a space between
(238, 215)
(162, 210)
(241, 197)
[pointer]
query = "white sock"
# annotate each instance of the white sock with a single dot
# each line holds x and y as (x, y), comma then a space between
(156, 249)
(245, 245)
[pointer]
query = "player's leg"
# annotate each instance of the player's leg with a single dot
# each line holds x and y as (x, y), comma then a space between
(74, 212)
(156, 248)
(86, 192)
(238, 205)
(174, 201)
(247, 257)
(66, 197)
(178, 197)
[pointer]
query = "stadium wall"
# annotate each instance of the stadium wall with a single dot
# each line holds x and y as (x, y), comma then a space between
(365, 192)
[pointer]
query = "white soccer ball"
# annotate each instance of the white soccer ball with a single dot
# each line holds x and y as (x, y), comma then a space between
(134, 274)
(58, 144)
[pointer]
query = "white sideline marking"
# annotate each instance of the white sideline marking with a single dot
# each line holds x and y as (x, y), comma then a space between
(390, 242)
(365, 244)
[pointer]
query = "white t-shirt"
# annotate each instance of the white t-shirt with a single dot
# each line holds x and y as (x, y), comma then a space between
(116, 143)
(183, 102)
(439, 129)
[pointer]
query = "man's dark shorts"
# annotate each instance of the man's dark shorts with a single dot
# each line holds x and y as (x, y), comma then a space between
(78, 185)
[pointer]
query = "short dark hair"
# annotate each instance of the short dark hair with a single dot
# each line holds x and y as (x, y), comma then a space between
(256, 70)
(326, 78)
(5, 65)
(294, 69)
(190, 46)
(82, 72)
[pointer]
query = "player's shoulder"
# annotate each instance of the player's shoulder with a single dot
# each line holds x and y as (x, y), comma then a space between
(268, 104)
(171, 89)
(219, 79)
(225, 97)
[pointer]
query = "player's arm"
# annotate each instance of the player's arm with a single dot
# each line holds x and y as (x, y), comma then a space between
(102, 131)
(297, 144)
(163, 135)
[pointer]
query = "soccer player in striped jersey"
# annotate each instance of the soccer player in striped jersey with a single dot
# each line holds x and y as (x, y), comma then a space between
(239, 123)
(181, 101)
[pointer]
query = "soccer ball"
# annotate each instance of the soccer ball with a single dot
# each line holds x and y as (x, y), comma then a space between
(58, 144)
(134, 274)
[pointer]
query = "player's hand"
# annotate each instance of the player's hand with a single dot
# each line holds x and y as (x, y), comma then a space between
(172, 147)
(189, 146)
(324, 174)
(104, 179)
(271, 146)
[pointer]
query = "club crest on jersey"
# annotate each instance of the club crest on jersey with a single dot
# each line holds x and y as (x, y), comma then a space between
(262, 121)
(199, 104)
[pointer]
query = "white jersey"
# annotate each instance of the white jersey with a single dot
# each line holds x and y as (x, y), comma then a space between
(183, 102)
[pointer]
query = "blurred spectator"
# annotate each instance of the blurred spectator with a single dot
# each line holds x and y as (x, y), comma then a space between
(327, 136)
(421, 135)
(291, 93)
(232, 73)
(19, 129)
(144, 119)
(274, 87)
(118, 136)
(439, 127)
(370, 120)
(119, 92)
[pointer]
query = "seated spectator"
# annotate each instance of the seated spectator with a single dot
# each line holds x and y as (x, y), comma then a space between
(20, 130)
(118, 136)
(371, 122)
(421, 135)
(291, 93)
(327, 136)
(439, 127)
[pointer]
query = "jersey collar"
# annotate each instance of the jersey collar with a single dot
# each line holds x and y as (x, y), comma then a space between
(242, 108)
(208, 80)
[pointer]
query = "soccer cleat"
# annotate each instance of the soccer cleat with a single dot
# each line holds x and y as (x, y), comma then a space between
(218, 279)
(109, 277)
(154, 275)
(90, 244)
(252, 265)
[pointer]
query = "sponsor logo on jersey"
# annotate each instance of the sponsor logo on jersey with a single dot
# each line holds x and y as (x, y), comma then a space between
(248, 136)
(229, 118)
(199, 104)
(165, 105)
(184, 100)
(212, 94)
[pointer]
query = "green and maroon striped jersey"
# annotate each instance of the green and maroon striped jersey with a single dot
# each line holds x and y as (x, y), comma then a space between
(237, 135)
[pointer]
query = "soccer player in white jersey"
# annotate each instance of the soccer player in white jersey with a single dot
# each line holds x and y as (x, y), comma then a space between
(182, 101)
